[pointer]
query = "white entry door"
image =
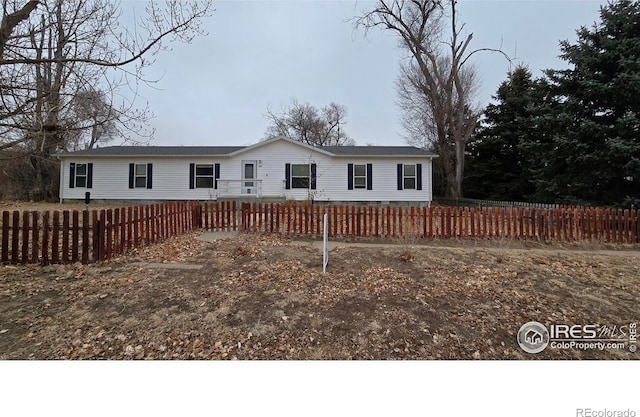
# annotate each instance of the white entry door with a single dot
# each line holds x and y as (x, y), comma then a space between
(249, 175)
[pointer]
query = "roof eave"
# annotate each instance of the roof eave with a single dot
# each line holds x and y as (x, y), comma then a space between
(73, 155)
(383, 156)
(277, 138)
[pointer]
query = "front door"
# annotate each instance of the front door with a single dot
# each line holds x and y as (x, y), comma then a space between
(249, 175)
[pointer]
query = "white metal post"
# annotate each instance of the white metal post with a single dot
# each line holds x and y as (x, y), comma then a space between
(325, 241)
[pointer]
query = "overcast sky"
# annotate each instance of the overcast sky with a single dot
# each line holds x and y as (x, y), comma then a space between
(216, 90)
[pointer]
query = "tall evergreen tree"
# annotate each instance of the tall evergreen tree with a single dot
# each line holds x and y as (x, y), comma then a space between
(497, 166)
(591, 148)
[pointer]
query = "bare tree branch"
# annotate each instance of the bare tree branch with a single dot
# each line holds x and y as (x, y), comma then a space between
(70, 72)
(11, 20)
(304, 123)
(436, 87)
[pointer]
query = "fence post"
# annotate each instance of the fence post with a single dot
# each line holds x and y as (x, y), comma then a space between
(634, 226)
(55, 237)
(147, 224)
(25, 238)
(153, 223)
(108, 227)
(15, 233)
(129, 227)
(136, 227)
(104, 230)
(4, 258)
(198, 216)
(244, 210)
(86, 226)
(97, 232)
(215, 216)
(35, 234)
(204, 211)
(74, 236)
(117, 244)
(45, 238)
(607, 224)
(619, 226)
(234, 211)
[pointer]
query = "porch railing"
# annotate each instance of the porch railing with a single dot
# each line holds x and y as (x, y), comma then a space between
(239, 188)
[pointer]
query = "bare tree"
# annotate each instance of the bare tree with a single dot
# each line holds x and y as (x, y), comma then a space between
(70, 74)
(436, 87)
(96, 120)
(304, 123)
(12, 18)
(176, 20)
(420, 113)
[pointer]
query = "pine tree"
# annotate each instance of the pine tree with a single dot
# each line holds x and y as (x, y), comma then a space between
(497, 168)
(590, 153)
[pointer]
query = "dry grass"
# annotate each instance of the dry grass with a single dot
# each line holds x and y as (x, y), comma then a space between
(261, 297)
(44, 206)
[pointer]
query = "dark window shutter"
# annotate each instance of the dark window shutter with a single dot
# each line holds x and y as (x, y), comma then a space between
(149, 176)
(192, 176)
(72, 175)
(313, 176)
(131, 176)
(369, 176)
(287, 176)
(89, 175)
(399, 176)
(418, 176)
(349, 176)
(216, 175)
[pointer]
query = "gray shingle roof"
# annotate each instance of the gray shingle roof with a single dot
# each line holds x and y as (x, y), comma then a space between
(157, 151)
(377, 151)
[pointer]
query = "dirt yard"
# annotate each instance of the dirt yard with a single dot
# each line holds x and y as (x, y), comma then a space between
(264, 297)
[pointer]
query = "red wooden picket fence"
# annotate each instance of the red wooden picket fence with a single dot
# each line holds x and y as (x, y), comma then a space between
(95, 235)
(513, 223)
(90, 235)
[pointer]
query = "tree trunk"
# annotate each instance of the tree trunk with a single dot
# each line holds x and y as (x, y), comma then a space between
(460, 146)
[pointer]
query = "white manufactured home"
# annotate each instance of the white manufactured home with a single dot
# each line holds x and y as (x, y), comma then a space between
(274, 169)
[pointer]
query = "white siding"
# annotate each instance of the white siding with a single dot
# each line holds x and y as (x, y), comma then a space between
(111, 179)
(272, 158)
(171, 176)
(332, 181)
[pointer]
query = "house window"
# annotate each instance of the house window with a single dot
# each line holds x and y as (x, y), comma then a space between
(300, 175)
(81, 175)
(359, 176)
(204, 176)
(409, 177)
(141, 176)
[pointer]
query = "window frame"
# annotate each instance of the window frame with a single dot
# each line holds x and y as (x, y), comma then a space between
(137, 176)
(212, 177)
(406, 177)
(301, 177)
(74, 176)
(84, 176)
(363, 177)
